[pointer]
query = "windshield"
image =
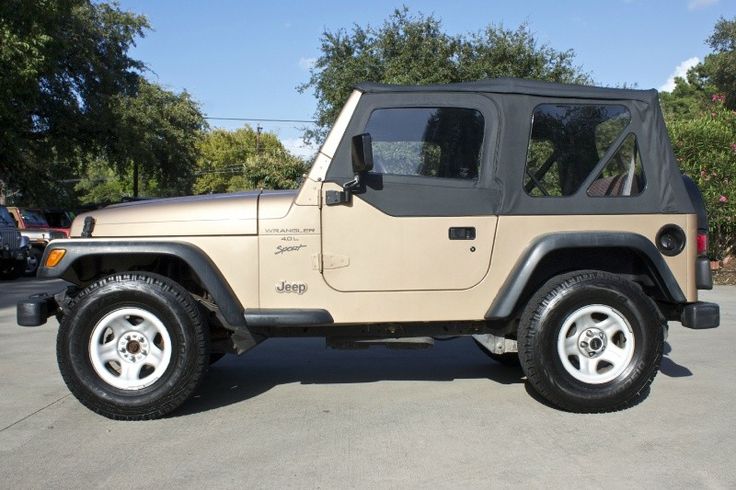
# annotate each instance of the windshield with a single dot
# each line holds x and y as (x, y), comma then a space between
(59, 219)
(5, 218)
(33, 218)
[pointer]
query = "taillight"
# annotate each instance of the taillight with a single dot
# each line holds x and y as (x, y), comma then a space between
(702, 243)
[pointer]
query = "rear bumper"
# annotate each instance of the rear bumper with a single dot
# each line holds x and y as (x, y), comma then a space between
(700, 315)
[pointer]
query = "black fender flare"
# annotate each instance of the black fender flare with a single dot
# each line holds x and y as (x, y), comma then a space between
(202, 266)
(505, 302)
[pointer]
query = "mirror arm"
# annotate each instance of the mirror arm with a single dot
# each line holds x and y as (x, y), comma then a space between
(354, 186)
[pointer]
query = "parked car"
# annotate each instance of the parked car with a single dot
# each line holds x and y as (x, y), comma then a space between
(548, 221)
(59, 219)
(14, 248)
(33, 225)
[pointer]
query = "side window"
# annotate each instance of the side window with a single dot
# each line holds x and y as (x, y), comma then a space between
(622, 175)
(567, 142)
(428, 141)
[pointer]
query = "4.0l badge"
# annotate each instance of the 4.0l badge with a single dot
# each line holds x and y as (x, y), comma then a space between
(291, 287)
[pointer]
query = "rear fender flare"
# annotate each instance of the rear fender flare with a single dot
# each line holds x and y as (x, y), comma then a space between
(506, 301)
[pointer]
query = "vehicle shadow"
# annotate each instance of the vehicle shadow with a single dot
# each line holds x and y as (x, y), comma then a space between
(307, 361)
(670, 368)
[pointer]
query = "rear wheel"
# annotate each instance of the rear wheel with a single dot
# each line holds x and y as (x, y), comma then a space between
(133, 346)
(590, 341)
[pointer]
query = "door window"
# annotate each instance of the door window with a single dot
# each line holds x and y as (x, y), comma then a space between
(442, 142)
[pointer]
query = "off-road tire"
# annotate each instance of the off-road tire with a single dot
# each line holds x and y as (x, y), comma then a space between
(168, 302)
(546, 314)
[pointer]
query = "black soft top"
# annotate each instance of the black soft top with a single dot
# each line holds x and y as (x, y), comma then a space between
(508, 105)
(519, 86)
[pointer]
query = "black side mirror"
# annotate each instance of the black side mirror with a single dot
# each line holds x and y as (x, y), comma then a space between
(362, 153)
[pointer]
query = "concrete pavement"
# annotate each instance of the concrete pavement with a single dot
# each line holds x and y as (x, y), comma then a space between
(291, 414)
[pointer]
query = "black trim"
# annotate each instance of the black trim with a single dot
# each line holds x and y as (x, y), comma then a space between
(516, 86)
(697, 199)
(505, 303)
(287, 317)
(200, 263)
(703, 274)
(701, 315)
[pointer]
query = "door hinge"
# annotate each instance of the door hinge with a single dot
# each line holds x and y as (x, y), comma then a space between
(321, 262)
(335, 198)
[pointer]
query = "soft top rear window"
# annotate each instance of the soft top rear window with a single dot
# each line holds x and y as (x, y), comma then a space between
(567, 142)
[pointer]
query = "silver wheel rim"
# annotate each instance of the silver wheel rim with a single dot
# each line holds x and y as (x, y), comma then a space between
(595, 344)
(130, 348)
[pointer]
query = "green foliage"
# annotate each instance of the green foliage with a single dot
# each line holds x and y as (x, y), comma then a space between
(720, 66)
(705, 146)
(242, 159)
(702, 124)
(62, 61)
(409, 49)
(159, 131)
(715, 75)
(102, 185)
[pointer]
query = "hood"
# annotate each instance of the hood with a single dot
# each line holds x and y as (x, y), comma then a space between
(215, 214)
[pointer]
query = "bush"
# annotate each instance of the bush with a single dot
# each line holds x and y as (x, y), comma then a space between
(705, 146)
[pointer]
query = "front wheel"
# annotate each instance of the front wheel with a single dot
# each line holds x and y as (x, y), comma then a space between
(590, 341)
(133, 346)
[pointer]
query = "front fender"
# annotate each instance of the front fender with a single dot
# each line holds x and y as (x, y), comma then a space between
(201, 265)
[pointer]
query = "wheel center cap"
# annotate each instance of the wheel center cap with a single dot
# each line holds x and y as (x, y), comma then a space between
(133, 346)
(592, 342)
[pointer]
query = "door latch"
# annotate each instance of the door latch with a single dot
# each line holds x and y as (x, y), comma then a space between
(462, 233)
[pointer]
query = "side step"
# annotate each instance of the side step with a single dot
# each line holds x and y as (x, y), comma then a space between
(349, 343)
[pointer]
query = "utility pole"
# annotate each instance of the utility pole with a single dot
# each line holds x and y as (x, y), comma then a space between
(258, 139)
(135, 179)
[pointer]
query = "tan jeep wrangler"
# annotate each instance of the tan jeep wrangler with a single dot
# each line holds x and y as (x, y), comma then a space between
(545, 219)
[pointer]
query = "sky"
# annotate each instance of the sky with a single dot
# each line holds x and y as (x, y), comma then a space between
(243, 58)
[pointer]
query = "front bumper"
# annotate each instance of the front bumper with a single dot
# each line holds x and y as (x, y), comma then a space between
(700, 315)
(18, 255)
(34, 311)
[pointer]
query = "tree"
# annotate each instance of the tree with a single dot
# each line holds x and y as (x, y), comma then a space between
(245, 159)
(719, 67)
(100, 184)
(154, 133)
(410, 49)
(61, 62)
(716, 75)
